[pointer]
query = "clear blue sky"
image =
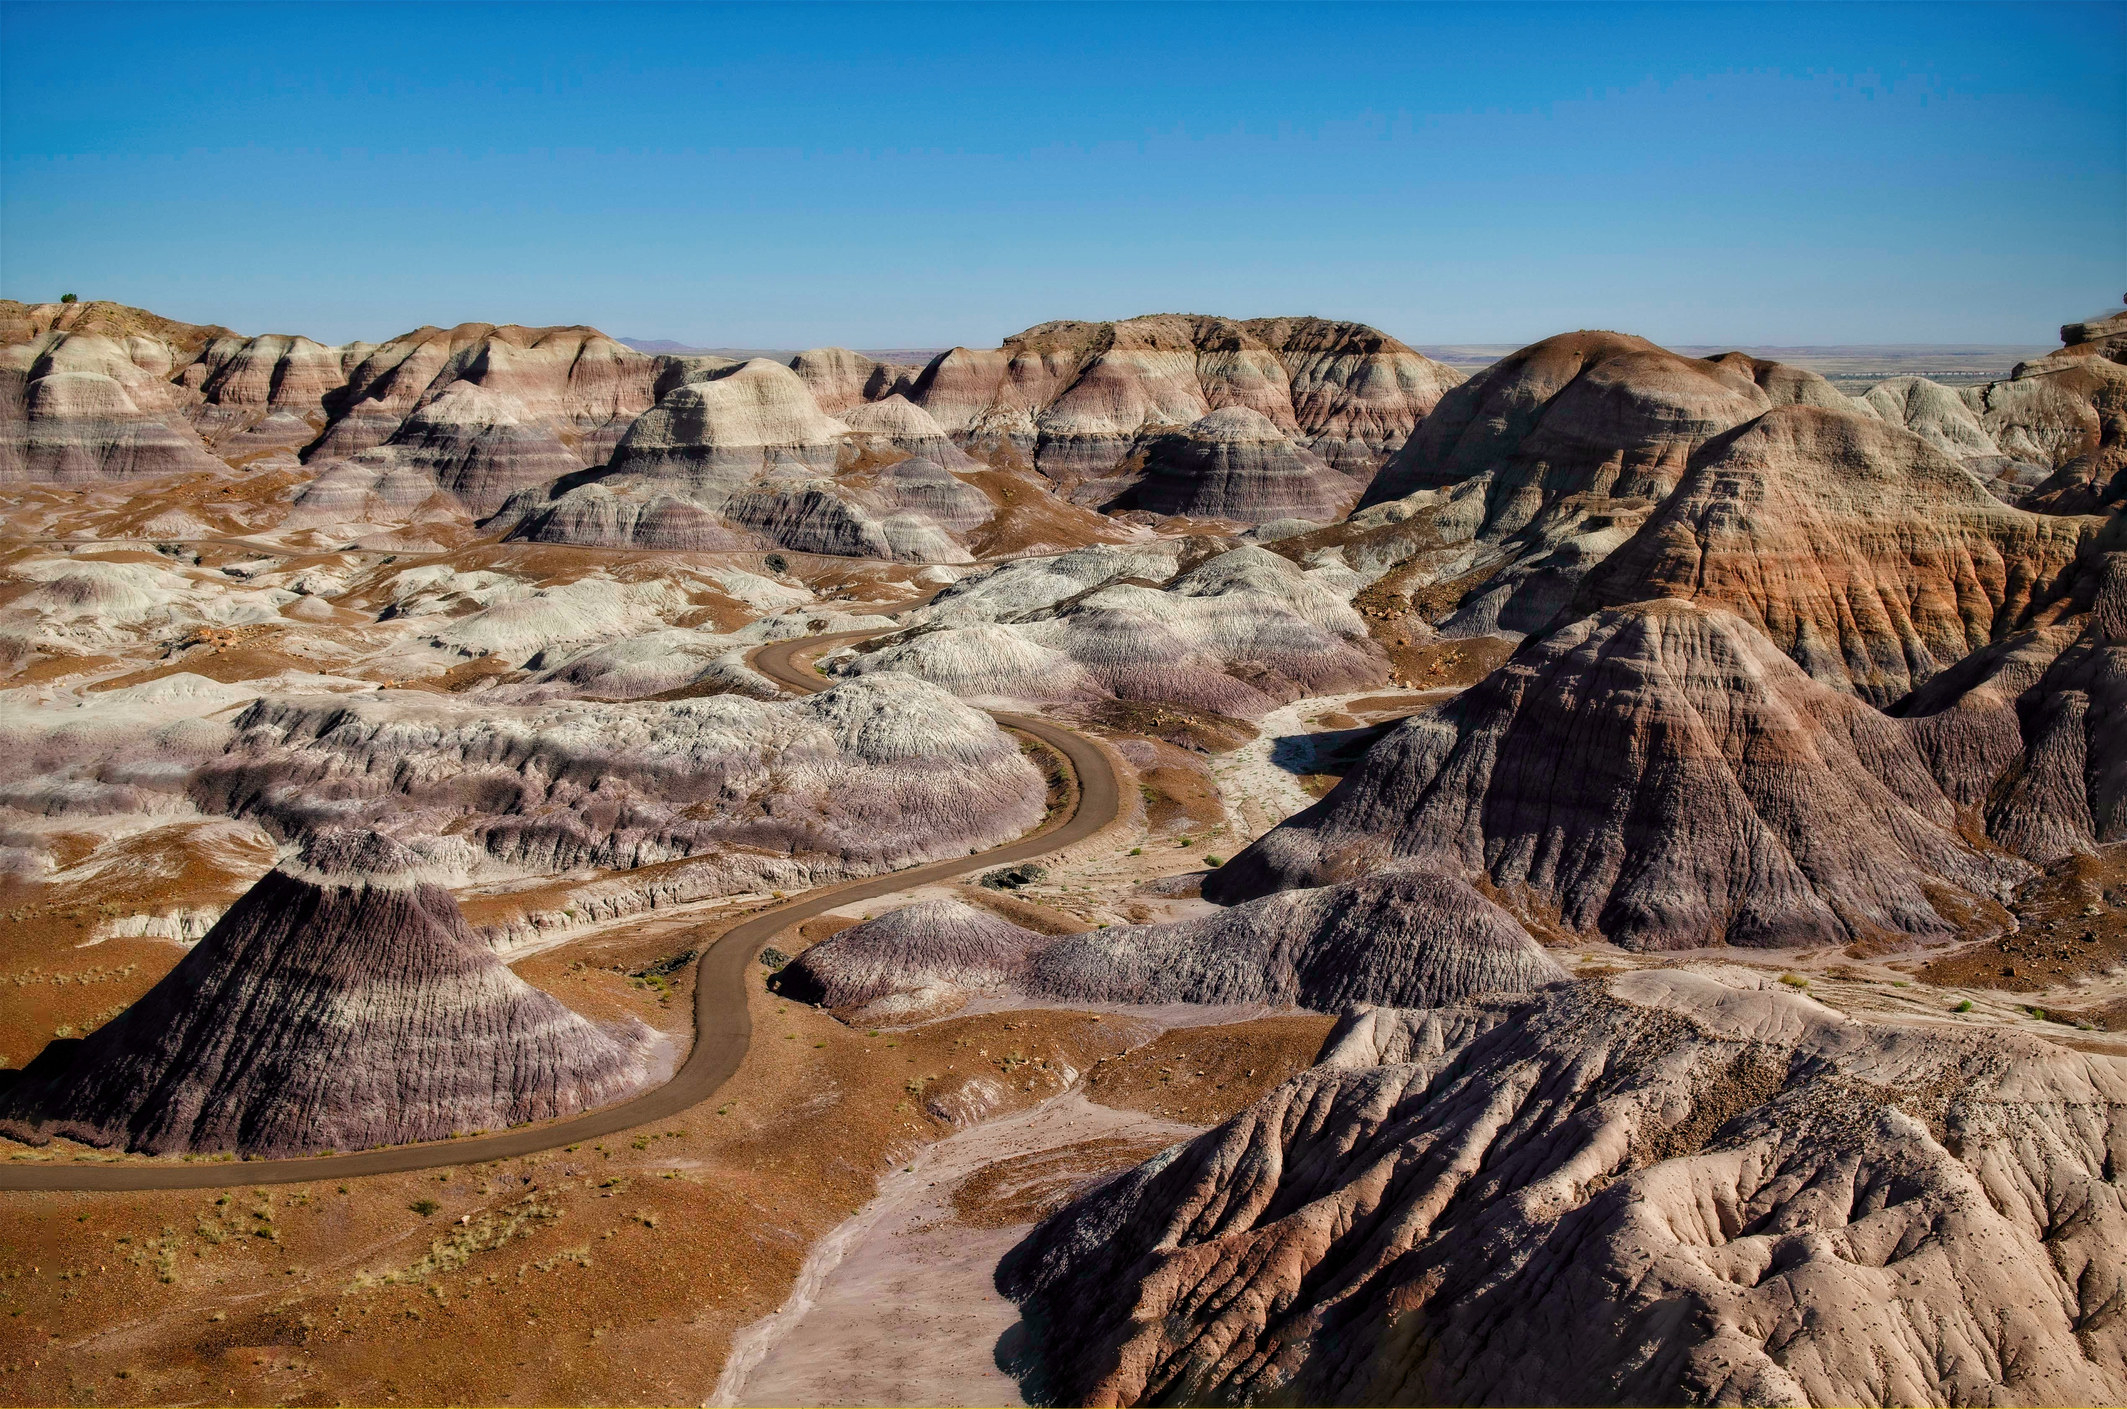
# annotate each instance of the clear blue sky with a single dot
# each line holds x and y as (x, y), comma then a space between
(923, 175)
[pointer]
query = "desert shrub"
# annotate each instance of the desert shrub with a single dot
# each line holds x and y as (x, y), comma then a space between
(1013, 877)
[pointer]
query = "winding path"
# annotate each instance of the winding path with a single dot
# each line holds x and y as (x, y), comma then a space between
(722, 1024)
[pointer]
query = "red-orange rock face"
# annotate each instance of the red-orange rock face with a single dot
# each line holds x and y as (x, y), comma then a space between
(1872, 559)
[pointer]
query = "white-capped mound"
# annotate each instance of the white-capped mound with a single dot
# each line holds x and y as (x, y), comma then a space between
(918, 949)
(1239, 633)
(755, 406)
(869, 776)
(1407, 937)
(896, 418)
(899, 423)
(1237, 464)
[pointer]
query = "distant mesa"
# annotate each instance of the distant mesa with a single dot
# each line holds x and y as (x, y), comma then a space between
(341, 1003)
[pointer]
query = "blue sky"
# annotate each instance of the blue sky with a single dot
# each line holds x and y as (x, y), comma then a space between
(923, 175)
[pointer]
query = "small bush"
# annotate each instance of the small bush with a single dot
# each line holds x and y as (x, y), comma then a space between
(69, 298)
(1137, 851)
(1794, 980)
(424, 1207)
(1214, 862)
(1964, 1007)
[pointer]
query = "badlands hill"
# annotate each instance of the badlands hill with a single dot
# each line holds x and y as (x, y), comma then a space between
(342, 1003)
(1662, 776)
(1080, 397)
(1658, 1188)
(572, 437)
(1408, 939)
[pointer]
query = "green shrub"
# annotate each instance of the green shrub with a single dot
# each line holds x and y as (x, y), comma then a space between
(1964, 1007)
(424, 1207)
(69, 298)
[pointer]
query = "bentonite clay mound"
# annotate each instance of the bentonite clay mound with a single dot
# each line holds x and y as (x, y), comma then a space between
(1404, 938)
(1661, 776)
(868, 776)
(1670, 1187)
(917, 957)
(1236, 632)
(342, 1003)
(82, 407)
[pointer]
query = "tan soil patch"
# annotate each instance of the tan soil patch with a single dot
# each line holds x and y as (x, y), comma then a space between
(1196, 729)
(2073, 928)
(614, 1273)
(1202, 1075)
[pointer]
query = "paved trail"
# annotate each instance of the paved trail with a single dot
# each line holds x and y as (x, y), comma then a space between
(722, 1025)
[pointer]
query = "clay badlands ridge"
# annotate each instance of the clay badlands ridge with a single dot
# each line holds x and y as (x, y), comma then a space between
(1622, 858)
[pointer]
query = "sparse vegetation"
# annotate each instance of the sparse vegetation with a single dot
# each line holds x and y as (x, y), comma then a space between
(424, 1207)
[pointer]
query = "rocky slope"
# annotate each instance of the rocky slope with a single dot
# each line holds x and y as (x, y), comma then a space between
(1661, 776)
(1663, 1187)
(1409, 938)
(342, 1003)
(2032, 731)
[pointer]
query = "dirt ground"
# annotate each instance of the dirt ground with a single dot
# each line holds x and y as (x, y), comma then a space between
(610, 1273)
(899, 1304)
